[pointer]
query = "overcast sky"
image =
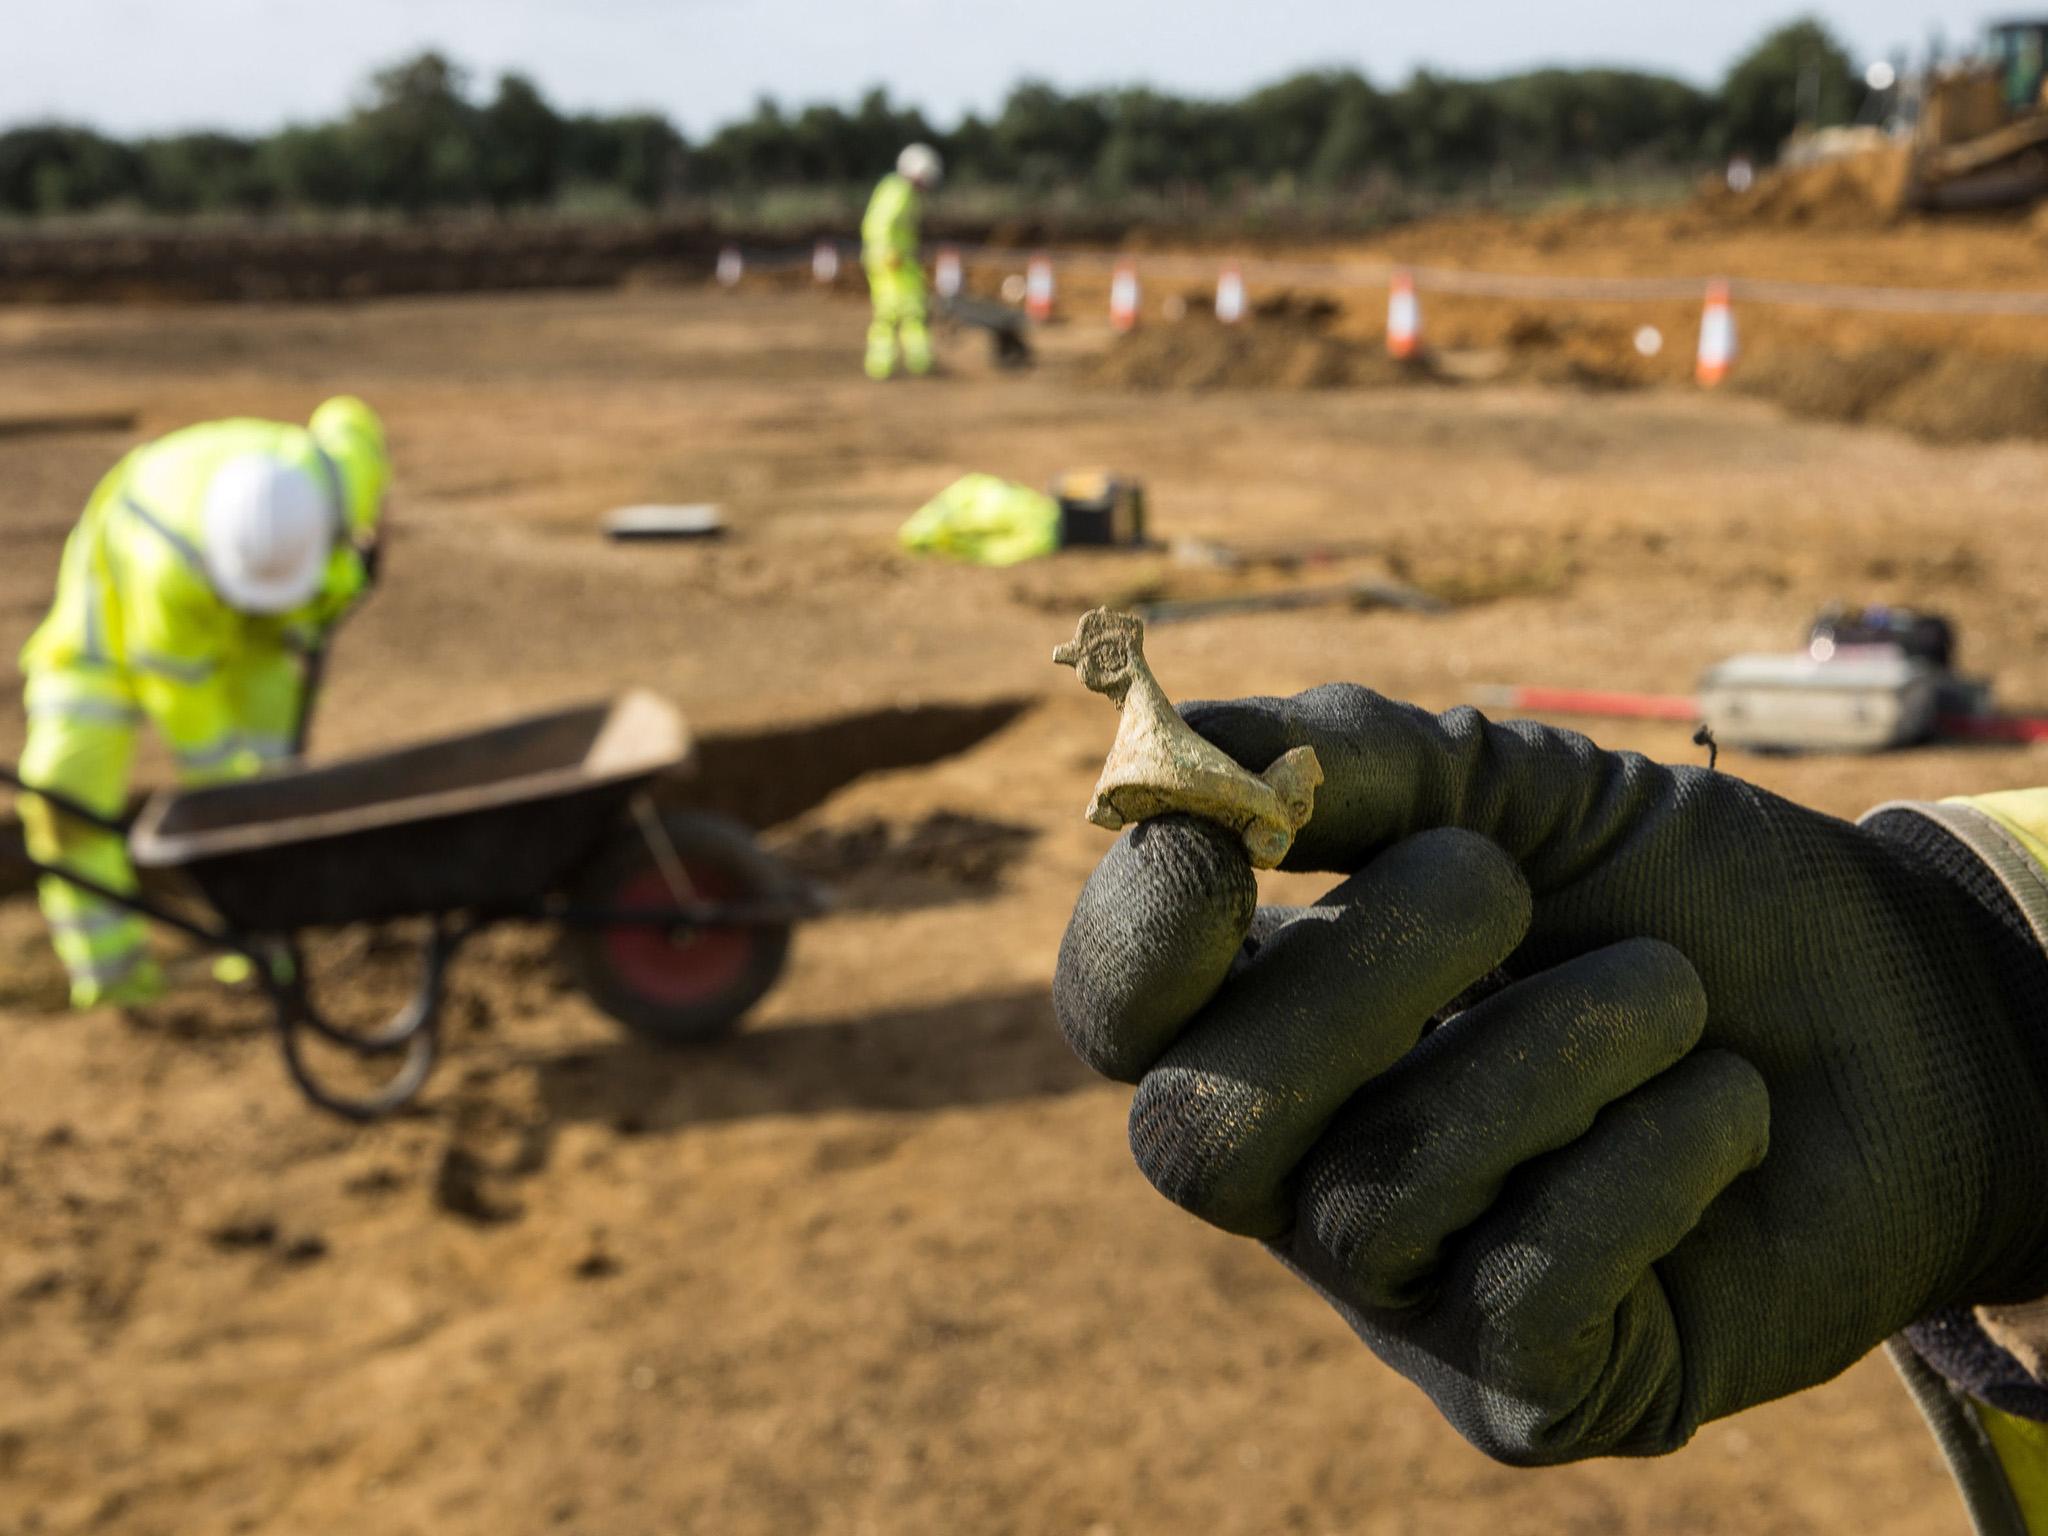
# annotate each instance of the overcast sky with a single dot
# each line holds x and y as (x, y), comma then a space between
(147, 65)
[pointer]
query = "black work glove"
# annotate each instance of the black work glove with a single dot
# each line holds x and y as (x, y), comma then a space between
(1753, 1088)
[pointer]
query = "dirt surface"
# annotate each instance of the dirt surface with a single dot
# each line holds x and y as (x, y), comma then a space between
(1952, 397)
(880, 1263)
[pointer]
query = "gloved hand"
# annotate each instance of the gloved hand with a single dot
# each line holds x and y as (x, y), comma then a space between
(1752, 1089)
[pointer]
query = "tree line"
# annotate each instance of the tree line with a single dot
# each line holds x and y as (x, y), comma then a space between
(424, 138)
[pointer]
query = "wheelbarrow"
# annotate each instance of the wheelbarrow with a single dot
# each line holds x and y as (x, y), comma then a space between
(1004, 323)
(672, 921)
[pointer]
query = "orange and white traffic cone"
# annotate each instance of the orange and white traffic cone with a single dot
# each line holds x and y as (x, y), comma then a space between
(1717, 337)
(946, 272)
(1404, 316)
(1038, 287)
(1230, 295)
(1123, 296)
(731, 266)
(825, 262)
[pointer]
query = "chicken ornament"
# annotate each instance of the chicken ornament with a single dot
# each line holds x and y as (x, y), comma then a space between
(1159, 766)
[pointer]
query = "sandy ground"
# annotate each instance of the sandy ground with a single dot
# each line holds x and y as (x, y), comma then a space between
(880, 1264)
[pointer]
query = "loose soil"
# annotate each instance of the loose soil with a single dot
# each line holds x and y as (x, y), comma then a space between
(1849, 192)
(881, 1262)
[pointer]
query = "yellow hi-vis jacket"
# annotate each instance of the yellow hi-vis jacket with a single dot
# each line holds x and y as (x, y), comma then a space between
(891, 224)
(2000, 1459)
(136, 622)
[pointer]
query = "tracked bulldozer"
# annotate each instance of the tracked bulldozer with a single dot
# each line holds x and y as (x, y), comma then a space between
(1980, 139)
(1971, 134)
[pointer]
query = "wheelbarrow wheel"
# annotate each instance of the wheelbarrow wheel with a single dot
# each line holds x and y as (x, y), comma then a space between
(686, 986)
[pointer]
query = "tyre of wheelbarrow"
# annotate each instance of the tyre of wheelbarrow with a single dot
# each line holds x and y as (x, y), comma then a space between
(689, 986)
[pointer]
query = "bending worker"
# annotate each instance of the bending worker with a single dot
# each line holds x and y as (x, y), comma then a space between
(888, 244)
(1603, 1098)
(207, 566)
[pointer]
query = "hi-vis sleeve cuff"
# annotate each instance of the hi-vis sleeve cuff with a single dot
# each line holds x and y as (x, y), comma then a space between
(2008, 832)
(1980, 1376)
(2022, 813)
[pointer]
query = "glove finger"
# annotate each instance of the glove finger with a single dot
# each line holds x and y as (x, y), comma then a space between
(1553, 1307)
(1553, 799)
(1331, 1001)
(1154, 933)
(1423, 1152)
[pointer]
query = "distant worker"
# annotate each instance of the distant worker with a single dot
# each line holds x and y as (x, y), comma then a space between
(206, 567)
(888, 240)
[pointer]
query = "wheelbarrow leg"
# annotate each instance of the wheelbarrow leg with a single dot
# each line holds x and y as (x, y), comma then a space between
(420, 1055)
(415, 1029)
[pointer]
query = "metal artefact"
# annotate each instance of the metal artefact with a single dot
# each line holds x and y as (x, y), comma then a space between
(673, 921)
(1158, 765)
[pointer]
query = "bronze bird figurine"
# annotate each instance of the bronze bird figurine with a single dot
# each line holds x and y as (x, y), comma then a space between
(1158, 765)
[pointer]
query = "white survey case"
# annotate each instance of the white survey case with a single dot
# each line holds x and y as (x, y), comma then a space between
(1861, 699)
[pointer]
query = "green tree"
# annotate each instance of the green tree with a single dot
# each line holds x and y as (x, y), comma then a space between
(418, 140)
(313, 167)
(203, 173)
(1284, 125)
(421, 139)
(1357, 138)
(1044, 138)
(56, 168)
(1798, 76)
(1448, 129)
(520, 142)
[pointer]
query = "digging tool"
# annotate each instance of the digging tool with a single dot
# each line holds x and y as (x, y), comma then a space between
(312, 676)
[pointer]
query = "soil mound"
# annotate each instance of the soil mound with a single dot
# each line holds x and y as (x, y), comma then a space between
(1203, 354)
(1301, 341)
(1830, 386)
(1945, 397)
(1964, 398)
(1574, 352)
(1859, 190)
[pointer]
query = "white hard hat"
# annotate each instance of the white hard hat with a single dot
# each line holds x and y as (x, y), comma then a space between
(921, 163)
(268, 531)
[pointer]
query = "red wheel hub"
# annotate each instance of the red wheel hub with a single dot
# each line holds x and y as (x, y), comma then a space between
(692, 965)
